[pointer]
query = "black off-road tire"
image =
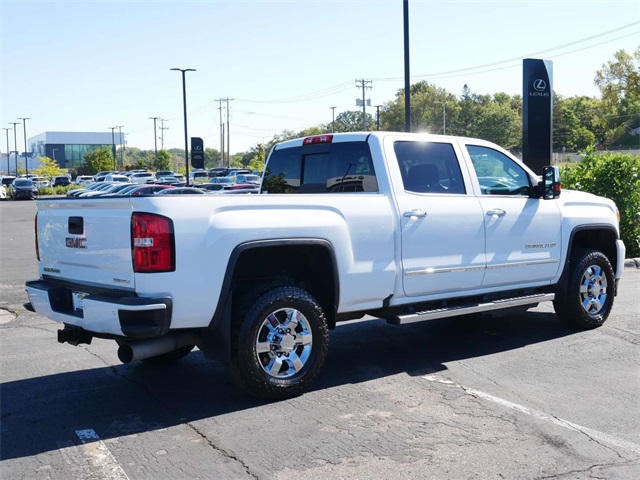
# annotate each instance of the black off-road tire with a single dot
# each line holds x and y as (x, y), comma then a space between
(590, 291)
(170, 357)
(248, 366)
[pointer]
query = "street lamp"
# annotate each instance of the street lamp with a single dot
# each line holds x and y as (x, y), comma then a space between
(444, 118)
(8, 151)
(333, 119)
(155, 136)
(26, 151)
(15, 143)
(184, 102)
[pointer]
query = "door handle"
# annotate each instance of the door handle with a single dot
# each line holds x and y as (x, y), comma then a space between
(497, 212)
(415, 213)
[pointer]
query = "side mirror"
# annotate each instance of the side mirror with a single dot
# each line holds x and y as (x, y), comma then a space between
(551, 183)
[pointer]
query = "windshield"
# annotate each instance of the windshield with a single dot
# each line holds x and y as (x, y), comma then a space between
(23, 183)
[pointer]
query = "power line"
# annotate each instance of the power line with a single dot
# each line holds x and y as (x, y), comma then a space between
(446, 74)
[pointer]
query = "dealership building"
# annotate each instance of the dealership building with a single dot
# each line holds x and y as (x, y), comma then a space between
(69, 148)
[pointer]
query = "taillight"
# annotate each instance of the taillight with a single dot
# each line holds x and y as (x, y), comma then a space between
(152, 243)
(317, 139)
(35, 226)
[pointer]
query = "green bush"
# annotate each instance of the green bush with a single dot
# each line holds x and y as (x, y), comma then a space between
(615, 176)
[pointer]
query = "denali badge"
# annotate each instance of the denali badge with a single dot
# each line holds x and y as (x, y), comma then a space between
(75, 242)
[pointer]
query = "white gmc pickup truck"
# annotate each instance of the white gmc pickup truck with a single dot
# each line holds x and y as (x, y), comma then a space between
(404, 227)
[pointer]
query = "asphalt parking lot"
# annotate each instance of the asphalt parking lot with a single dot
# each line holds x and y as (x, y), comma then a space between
(516, 397)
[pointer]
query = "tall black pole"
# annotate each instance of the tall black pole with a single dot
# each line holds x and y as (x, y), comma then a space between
(155, 137)
(184, 102)
(113, 145)
(8, 151)
(15, 143)
(407, 78)
(26, 151)
(333, 119)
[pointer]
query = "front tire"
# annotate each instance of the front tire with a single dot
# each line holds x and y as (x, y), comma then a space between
(282, 342)
(590, 291)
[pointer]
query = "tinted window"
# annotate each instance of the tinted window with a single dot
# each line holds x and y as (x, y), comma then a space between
(325, 168)
(428, 167)
(497, 173)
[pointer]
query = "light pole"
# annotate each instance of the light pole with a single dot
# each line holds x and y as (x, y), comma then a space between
(444, 118)
(120, 127)
(15, 143)
(184, 102)
(407, 76)
(26, 151)
(333, 119)
(378, 117)
(113, 146)
(155, 136)
(8, 151)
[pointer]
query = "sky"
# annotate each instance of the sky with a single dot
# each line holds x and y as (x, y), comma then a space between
(74, 65)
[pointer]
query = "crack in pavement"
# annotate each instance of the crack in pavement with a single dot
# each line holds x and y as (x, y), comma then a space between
(585, 470)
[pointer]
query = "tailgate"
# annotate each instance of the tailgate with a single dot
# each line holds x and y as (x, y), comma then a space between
(87, 241)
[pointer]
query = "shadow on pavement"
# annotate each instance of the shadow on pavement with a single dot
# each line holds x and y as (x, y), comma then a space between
(37, 413)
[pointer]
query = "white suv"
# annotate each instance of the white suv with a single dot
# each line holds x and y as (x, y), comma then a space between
(142, 177)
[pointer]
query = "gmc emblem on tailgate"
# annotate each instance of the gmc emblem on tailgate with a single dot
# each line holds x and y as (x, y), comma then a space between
(75, 242)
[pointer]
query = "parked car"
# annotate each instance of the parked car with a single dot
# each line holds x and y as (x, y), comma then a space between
(218, 172)
(221, 180)
(23, 188)
(142, 177)
(40, 182)
(165, 173)
(3, 192)
(198, 176)
(241, 171)
(114, 177)
(115, 189)
(248, 178)
(7, 180)
(181, 191)
(78, 191)
(147, 190)
(211, 187)
(100, 176)
(61, 181)
(84, 180)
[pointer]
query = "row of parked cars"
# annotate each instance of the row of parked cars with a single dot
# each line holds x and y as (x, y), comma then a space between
(112, 183)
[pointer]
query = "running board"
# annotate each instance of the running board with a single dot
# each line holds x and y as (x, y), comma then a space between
(443, 312)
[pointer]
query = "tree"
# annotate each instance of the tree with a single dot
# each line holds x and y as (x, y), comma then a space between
(48, 168)
(619, 84)
(98, 160)
(164, 161)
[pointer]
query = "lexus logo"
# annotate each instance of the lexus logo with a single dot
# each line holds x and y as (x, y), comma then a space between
(539, 85)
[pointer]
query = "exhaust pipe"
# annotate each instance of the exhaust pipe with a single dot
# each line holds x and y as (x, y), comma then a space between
(142, 349)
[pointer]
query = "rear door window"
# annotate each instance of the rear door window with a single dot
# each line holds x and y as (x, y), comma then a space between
(321, 168)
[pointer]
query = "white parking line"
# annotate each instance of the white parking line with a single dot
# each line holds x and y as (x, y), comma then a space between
(595, 434)
(92, 459)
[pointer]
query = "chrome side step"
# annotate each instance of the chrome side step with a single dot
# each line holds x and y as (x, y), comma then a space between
(443, 312)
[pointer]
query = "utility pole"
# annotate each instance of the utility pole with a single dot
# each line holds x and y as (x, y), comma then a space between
(120, 127)
(333, 119)
(220, 100)
(8, 150)
(228, 133)
(155, 136)
(26, 150)
(444, 118)
(184, 103)
(364, 84)
(162, 129)
(378, 117)
(15, 143)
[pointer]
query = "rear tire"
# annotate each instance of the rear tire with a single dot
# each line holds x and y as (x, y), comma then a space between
(281, 343)
(590, 291)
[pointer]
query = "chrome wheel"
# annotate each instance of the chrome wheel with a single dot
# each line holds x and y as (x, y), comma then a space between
(593, 290)
(284, 342)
